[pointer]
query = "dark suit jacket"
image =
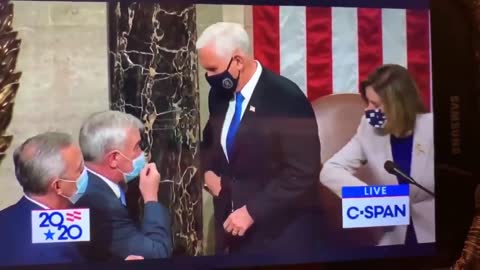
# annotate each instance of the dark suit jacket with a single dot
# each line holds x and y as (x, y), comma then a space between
(114, 235)
(16, 246)
(274, 169)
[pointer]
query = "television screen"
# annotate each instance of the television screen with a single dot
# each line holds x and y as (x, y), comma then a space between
(197, 134)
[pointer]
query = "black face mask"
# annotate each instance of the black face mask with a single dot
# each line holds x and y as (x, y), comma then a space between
(223, 83)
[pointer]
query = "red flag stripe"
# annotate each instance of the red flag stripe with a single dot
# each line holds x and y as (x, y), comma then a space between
(73, 216)
(369, 41)
(266, 36)
(319, 52)
(368, 52)
(418, 51)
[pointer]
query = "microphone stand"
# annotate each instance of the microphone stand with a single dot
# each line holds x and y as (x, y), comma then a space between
(413, 182)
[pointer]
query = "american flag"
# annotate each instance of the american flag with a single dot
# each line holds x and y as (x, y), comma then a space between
(329, 50)
(73, 215)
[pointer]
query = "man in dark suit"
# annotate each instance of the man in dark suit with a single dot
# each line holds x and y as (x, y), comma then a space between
(111, 145)
(50, 169)
(260, 151)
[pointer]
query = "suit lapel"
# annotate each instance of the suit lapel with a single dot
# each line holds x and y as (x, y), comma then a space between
(389, 179)
(421, 144)
(247, 122)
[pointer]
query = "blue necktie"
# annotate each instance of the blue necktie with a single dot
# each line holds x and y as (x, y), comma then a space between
(122, 197)
(232, 130)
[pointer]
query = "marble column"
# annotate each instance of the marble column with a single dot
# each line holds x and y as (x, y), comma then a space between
(153, 75)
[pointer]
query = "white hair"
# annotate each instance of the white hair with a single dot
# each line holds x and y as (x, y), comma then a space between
(226, 37)
(39, 159)
(105, 131)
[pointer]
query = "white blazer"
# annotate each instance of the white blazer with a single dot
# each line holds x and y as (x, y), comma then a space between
(369, 148)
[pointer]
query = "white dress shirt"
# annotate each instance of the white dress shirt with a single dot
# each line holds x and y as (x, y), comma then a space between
(246, 92)
(115, 188)
(43, 206)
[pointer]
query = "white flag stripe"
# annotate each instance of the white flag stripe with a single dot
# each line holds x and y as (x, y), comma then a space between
(345, 47)
(293, 39)
(394, 35)
(345, 50)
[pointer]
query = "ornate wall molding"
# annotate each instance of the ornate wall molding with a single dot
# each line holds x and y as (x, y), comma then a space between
(9, 78)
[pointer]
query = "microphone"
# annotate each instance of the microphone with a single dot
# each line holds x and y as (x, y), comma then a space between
(392, 168)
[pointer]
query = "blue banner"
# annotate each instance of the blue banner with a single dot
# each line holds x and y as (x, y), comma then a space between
(375, 191)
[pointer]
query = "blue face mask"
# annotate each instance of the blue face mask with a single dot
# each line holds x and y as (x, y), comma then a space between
(82, 183)
(138, 164)
(376, 118)
(223, 83)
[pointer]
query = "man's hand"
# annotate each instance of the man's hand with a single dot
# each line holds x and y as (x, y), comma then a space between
(149, 183)
(238, 222)
(134, 258)
(213, 183)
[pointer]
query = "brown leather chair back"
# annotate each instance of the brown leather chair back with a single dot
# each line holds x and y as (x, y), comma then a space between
(338, 117)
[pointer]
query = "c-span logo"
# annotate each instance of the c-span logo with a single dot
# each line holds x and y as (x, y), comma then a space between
(52, 226)
(374, 206)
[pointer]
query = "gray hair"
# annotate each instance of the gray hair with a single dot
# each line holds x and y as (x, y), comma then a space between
(226, 37)
(105, 131)
(39, 160)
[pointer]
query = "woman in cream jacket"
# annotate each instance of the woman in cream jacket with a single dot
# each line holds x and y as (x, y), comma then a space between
(395, 127)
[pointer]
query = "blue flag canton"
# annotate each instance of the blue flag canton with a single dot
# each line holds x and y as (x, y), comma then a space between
(375, 191)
